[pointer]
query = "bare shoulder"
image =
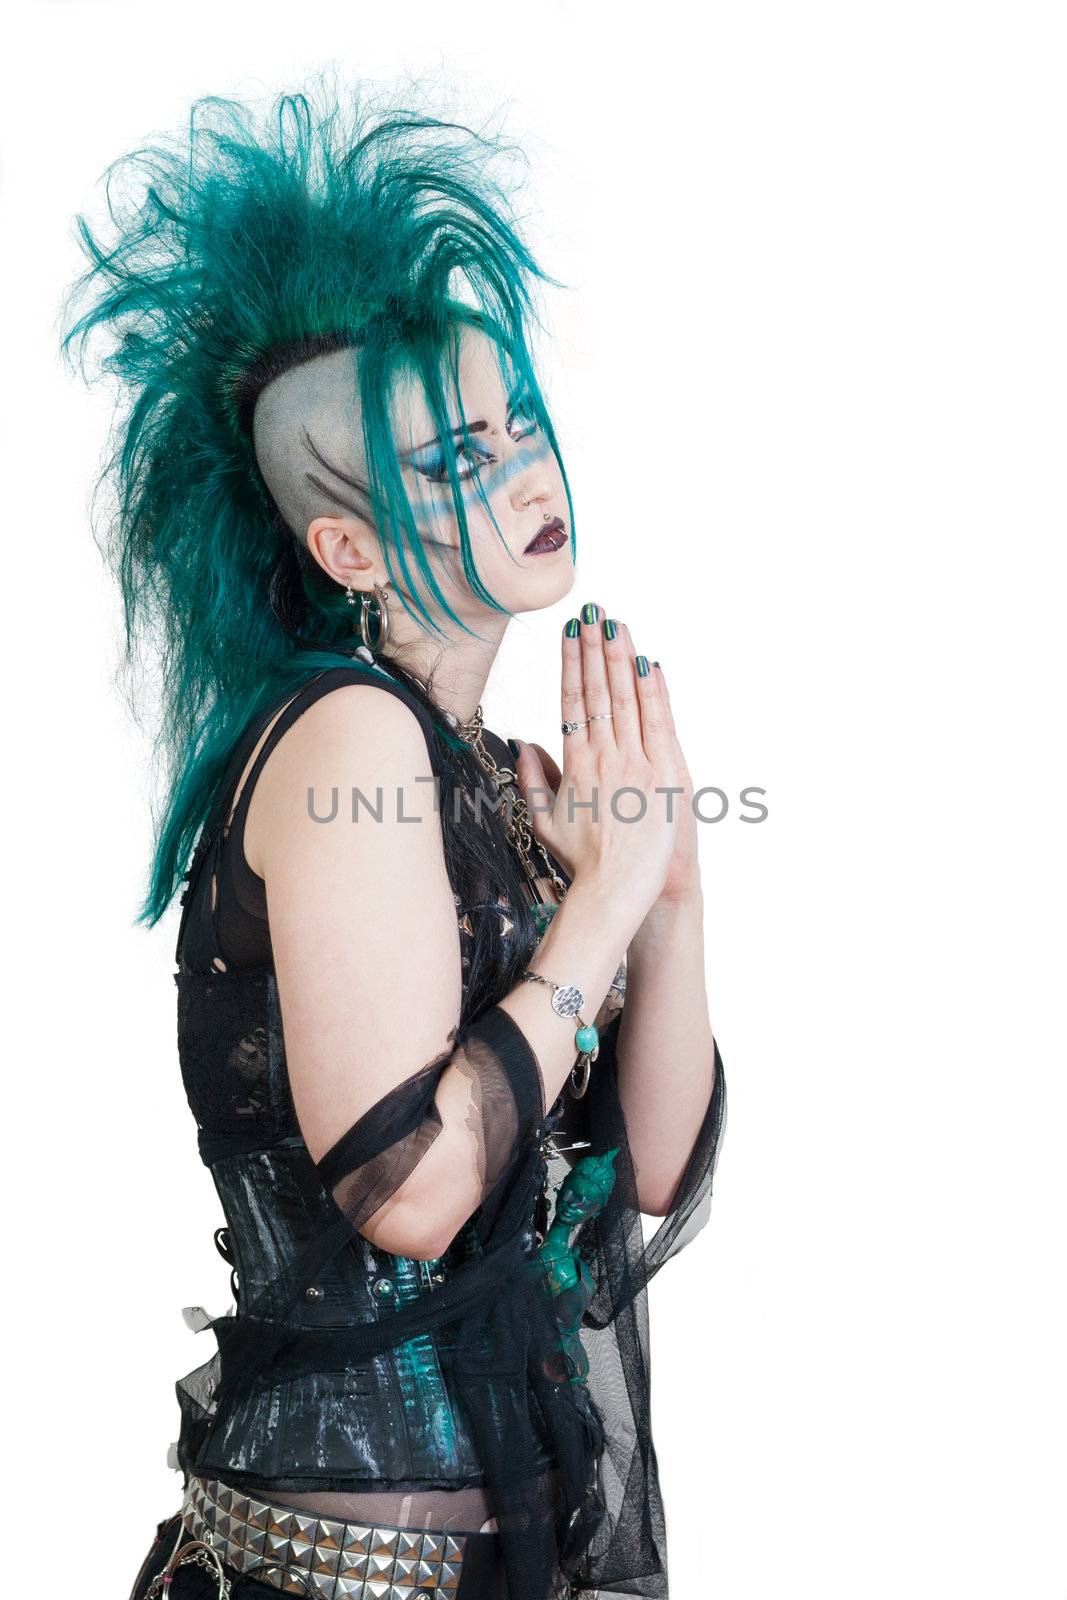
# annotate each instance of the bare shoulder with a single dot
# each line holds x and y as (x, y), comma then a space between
(359, 739)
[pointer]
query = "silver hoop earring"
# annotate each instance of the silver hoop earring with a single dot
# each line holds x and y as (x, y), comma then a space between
(374, 618)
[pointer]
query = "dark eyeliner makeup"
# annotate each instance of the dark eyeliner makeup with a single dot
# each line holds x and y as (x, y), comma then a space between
(432, 462)
(523, 414)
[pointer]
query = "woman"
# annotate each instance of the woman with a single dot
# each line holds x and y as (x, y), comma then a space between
(405, 946)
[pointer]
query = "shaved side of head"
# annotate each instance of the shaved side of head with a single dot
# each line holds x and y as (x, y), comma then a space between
(307, 432)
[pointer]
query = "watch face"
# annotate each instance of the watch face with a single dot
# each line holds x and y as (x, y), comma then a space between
(567, 1001)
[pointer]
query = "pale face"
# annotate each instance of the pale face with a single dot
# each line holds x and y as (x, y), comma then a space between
(509, 461)
(310, 449)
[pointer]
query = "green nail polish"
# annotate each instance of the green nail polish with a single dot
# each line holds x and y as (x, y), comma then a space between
(610, 630)
(589, 612)
(642, 666)
(571, 630)
(655, 663)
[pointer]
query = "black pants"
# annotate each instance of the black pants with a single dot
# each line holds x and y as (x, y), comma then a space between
(481, 1577)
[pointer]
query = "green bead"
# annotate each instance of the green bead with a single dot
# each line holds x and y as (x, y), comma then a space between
(587, 1039)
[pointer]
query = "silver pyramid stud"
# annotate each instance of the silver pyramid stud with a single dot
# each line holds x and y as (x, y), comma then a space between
(329, 1535)
(357, 1539)
(258, 1514)
(282, 1522)
(305, 1530)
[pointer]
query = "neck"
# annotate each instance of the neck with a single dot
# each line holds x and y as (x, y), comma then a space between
(460, 664)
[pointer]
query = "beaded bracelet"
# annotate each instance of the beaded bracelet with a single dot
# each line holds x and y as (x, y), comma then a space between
(568, 1001)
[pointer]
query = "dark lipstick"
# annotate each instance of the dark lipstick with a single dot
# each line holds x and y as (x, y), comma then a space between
(550, 536)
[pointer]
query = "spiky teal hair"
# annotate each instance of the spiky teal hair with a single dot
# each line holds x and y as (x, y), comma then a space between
(252, 241)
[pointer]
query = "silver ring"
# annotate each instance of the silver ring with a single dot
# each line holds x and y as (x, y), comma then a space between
(599, 716)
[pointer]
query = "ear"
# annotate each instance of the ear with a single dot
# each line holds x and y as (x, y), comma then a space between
(348, 550)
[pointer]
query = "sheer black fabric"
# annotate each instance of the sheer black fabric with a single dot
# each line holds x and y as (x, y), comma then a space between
(542, 1390)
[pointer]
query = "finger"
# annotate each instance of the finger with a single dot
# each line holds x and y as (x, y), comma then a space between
(533, 783)
(665, 691)
(529, 773)
(629, 658)
(656, 735)
(572, 694)
(548, 766)
(618, 658)
(595, 677)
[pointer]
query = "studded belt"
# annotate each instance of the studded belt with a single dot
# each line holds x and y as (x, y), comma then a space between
(313, 1556)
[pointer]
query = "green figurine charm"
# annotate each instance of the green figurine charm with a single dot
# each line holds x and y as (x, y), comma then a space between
(582, 1195)
(543, 911)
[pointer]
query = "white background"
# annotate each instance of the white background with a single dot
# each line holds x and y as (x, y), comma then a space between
(809, 374)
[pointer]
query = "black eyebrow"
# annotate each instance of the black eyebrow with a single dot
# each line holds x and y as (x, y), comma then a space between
(457, 433)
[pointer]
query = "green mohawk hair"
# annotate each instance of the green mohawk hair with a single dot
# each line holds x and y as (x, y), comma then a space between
(252, 242)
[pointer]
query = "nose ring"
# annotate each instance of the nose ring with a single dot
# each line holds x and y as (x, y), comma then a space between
(525, 497)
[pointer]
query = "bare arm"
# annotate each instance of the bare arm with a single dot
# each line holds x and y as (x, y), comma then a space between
(367, 956)
(665, 1050)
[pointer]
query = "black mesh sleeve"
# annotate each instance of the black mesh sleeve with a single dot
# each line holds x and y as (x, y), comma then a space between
(375, 1157)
